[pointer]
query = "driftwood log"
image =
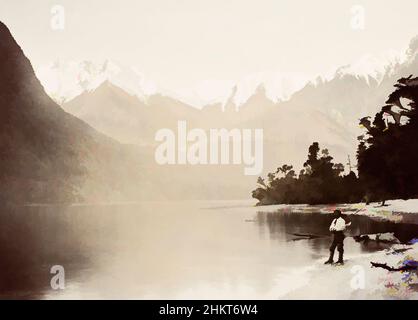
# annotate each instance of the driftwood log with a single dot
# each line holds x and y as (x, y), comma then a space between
(406, 267)
(401, 250)
(305, 236)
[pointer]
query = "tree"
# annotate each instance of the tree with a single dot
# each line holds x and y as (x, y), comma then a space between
(320, 181)
(387, 155)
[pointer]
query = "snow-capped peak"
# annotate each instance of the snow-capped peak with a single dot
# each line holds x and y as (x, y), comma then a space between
(276, 86)
(373, 66)
(368, 67)
(281, 86)
(64, 81)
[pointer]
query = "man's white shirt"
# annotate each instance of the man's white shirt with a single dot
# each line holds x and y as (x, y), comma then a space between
(338, 224)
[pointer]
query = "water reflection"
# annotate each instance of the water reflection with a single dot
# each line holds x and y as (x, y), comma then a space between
(31, 242)
(165, 250)
(291, 225)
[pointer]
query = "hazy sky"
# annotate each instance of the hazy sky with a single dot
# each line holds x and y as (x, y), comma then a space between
(181, 42)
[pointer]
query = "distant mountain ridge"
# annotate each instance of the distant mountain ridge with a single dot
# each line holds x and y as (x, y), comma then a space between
(64, 81)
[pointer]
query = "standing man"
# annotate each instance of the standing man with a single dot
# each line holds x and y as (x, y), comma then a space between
(337, 227)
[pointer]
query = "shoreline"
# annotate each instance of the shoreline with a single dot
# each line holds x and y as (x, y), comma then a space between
(399, 211)
(340, 282)
(357, 279)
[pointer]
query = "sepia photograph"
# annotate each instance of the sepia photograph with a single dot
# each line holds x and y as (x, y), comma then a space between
(195, 150)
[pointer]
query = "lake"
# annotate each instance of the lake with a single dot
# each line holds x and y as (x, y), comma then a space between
(171, 250)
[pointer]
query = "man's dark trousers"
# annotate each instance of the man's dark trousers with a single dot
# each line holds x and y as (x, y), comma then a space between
(337, 242)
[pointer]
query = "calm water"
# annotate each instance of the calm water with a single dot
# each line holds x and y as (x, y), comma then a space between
(150, 250)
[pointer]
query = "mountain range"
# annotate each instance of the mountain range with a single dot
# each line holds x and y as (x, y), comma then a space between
(86, 131)
(338, 100)
(64, 80)
(326, 109)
